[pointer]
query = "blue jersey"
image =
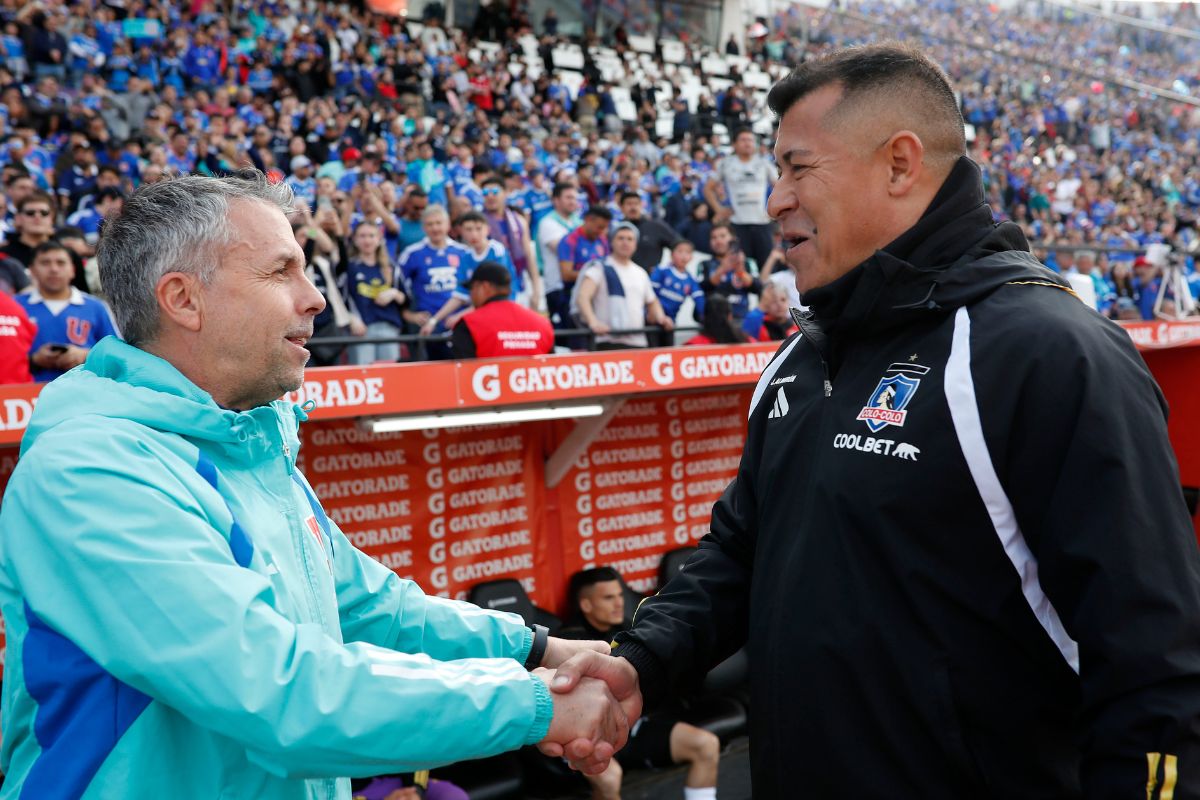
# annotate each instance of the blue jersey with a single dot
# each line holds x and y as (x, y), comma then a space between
(673, 287)
(459, 175)
(83, 322)
(493, 252)
(577, 250)
(304, 188)
(365, 282)
(89, 221)
(473, 194)
(431, 273)
(536, 203)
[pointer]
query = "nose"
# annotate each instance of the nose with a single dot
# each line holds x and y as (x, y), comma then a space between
(781, 200)
(311, 301)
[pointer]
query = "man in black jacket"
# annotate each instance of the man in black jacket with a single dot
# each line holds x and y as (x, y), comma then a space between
(956, 546)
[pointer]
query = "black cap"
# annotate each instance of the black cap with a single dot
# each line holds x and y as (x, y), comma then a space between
(492, 272)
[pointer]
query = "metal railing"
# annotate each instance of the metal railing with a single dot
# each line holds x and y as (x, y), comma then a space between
(418, 344)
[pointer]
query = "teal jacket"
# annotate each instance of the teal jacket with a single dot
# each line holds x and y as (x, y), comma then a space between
(185, 621)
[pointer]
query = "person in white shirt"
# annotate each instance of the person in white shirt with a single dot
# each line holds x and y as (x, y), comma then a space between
(615, 294)
(747, 178)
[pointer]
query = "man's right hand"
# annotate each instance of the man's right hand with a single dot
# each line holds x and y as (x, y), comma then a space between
(589, 723)
(599, 327)
(622, 682)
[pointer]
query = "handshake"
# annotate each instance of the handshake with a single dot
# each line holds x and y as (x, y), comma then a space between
(596, 701)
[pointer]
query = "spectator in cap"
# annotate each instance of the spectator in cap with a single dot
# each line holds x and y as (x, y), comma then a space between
(615, 294)
(302, 181)
(498, 326)
(109, 202)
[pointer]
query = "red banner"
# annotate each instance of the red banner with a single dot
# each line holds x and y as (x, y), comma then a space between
(446, 508)
(647, 484)
(1160, 333)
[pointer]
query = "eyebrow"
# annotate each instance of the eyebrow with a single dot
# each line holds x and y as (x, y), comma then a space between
(796, 151)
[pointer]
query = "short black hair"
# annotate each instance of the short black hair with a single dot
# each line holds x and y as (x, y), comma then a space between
(417, 191)
(598, 211)
(470, 216)
(480, 169)
(49, 246)
(585, 579)
(919, 84)
(625, 195)
(494, 180)
(559, 188)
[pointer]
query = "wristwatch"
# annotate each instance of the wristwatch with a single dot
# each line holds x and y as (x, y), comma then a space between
(538, 650)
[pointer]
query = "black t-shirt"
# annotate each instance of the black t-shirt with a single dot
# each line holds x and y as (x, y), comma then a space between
(17, 249)
(653, 236)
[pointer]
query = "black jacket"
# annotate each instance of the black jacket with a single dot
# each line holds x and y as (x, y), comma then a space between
(956, 546)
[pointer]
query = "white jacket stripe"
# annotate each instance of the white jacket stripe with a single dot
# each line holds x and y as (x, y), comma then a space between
(769, 374)
(960, 394)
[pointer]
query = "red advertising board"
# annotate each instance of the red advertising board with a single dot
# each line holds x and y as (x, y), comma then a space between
(446, 508)
(646, 485)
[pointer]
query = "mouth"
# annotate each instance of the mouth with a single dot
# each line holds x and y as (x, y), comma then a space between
(793, 242)
(299, 340)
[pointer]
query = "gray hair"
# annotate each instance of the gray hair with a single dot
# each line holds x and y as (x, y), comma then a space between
(176, 225)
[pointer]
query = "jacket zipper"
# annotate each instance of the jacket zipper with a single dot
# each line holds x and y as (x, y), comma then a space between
(805, 331)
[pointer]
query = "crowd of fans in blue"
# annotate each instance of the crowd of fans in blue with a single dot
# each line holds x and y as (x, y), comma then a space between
(394, 133)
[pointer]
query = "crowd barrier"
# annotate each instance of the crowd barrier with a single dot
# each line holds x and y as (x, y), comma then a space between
(452, 473)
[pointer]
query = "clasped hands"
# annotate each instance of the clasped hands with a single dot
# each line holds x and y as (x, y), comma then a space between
(596, 701)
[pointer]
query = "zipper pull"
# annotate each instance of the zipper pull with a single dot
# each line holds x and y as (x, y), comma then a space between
(828, 388)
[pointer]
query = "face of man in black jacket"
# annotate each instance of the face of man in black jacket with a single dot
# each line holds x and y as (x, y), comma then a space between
(855, 173)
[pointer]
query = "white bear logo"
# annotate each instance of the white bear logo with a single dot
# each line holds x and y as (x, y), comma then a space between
(906, 451)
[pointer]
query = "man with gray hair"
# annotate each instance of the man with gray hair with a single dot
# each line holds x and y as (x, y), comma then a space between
(183, 618)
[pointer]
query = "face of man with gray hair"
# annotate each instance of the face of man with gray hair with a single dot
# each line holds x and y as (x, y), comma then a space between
(219, 291)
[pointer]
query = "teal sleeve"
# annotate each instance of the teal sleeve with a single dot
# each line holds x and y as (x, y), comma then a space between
(157, 600)
(377, 606)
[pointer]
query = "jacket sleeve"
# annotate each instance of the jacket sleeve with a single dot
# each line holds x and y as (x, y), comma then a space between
(1079, 441)
(701, 616)
(158, 601)
(377, 606)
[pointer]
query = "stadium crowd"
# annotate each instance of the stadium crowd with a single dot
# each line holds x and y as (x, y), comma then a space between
(503, 144)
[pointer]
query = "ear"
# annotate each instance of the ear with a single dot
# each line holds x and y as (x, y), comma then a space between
(904, 153)
(180, 300)
(585, 605)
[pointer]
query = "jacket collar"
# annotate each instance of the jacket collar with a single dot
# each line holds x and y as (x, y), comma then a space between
(931, 266)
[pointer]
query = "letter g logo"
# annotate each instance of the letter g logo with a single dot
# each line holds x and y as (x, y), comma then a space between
(486, 382)
(662, 369)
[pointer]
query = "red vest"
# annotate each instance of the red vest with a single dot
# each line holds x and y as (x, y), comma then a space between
(505, 328)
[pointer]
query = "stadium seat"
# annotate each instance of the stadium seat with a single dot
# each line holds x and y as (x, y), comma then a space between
(509, 595)
(641, 44)
(672, 51)
(672, 562)
(756, 80)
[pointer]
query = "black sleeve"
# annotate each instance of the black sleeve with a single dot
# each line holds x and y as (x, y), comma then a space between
(707, 268)
(1076, 428)
(701, 617)
(461, 343)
